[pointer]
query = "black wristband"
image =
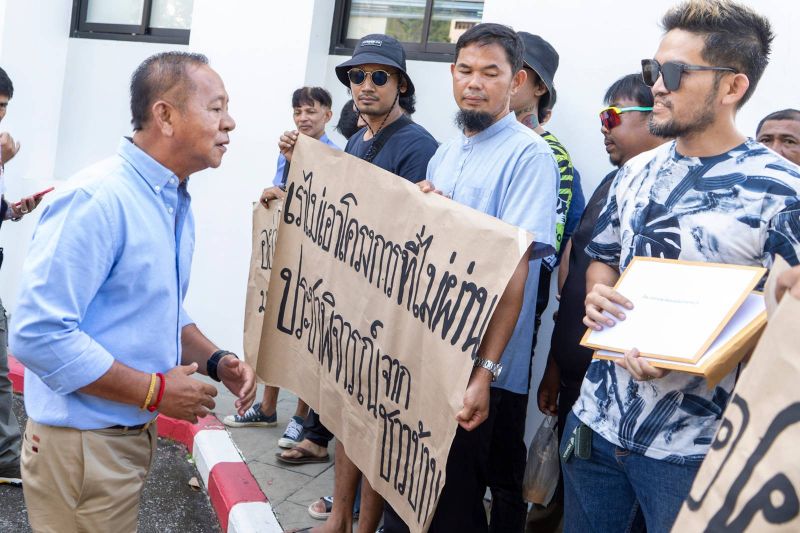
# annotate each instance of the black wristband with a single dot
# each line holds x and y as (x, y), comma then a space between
(213, 362)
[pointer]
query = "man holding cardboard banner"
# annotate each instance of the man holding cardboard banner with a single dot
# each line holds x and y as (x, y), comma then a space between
(377, 77)
(386, 313)
(637, 434)
(501, 168)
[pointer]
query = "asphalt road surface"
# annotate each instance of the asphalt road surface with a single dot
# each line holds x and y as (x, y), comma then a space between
(169, 504)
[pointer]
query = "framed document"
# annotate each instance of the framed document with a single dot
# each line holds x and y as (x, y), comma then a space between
(685, 314)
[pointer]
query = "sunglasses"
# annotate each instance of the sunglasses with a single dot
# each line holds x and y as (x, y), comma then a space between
(358, 76)
(610, 116)
(672, 72)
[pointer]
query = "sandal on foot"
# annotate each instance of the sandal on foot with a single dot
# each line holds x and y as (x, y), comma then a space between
(306, 457)
(316, 515)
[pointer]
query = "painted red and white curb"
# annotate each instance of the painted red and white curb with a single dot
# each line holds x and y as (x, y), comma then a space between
(239, 502)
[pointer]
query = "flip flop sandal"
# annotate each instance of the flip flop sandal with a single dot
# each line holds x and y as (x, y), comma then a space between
(328, 501)
(316, 515)
(306, 457)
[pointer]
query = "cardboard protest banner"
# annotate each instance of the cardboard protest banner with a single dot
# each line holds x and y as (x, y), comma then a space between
(265, 236)
(380, 298)
(749, 479)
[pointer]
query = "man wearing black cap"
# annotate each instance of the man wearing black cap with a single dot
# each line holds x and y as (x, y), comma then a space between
(536, 96)
(377, 78)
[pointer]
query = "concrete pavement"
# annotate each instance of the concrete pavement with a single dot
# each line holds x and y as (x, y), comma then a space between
(290, 489)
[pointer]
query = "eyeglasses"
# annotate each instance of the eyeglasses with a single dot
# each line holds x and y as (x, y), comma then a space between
(610, 116)
(672, 72)
(358, 76)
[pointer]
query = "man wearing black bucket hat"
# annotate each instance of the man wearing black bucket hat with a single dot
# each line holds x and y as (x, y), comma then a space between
(530, 103)
(376, 76)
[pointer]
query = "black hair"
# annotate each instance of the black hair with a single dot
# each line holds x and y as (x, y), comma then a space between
(631, 86)
(158, 75)
(6, 87)
(783, 114)
(408, 103)
(309, 95)
(348, 120)
(734, 36)
(491, 33)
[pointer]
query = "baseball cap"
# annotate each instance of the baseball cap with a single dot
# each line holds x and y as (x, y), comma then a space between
(379, 49)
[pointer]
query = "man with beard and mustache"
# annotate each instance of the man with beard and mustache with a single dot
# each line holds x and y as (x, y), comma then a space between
(711, 195)
(376, 76)
(502, 168)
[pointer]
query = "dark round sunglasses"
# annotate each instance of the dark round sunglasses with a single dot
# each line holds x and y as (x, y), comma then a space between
(358, 76)
(672, 72)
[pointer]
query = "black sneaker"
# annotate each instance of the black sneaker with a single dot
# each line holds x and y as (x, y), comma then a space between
(253, 417)
(11, 474)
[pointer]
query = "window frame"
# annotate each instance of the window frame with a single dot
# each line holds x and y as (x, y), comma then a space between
(81, 29)
(424, 51)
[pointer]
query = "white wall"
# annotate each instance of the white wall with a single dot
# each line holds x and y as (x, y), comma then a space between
(261, 50)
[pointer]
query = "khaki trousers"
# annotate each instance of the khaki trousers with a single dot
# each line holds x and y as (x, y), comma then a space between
(84, 481)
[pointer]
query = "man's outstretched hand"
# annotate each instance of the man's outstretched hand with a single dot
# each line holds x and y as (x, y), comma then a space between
(240, 379)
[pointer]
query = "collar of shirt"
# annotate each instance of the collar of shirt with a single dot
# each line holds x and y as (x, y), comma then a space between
(327, 140)
(156, 175)
(489, 132)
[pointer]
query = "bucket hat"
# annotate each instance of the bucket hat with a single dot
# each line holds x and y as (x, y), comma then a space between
(379, 49)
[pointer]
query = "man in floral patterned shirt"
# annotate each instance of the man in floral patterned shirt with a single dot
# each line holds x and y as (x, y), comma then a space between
(711, 195)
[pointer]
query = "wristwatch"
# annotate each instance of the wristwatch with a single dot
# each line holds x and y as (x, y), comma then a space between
(493, 368)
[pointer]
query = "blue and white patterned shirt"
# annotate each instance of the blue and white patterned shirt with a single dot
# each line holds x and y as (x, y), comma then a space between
(740, 207)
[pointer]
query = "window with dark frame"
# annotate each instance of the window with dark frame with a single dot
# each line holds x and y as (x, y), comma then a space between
(153, 21)
(428, 29)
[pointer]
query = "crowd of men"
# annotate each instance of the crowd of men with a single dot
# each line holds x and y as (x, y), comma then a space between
(686, 185)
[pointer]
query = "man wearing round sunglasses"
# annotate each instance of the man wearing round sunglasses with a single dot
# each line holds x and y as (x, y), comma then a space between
(710, 195)
(377, 78)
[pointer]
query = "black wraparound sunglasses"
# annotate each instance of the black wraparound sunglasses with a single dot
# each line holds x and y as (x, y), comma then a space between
(672, 72)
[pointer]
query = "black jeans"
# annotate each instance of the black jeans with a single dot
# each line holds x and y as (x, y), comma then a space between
(314, 431)
(493, 455)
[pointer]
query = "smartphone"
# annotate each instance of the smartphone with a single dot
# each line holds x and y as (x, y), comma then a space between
(36, 196)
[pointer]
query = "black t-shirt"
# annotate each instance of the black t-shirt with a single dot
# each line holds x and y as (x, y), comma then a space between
(572, 358)
(406, 153)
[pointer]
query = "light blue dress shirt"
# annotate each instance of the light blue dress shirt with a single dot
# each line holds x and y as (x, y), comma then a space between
(509, 172)
(278, 179)
(104, 280)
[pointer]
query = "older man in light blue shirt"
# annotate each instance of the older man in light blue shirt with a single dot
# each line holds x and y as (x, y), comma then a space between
(100, 323)
(499, 167)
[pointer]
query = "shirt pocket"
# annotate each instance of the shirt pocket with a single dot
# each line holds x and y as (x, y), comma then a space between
(475, 197)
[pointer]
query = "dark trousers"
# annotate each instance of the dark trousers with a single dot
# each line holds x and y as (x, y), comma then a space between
(314, 431)
(493, 455)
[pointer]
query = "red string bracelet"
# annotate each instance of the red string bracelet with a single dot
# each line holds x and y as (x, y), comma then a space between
(163, 386)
